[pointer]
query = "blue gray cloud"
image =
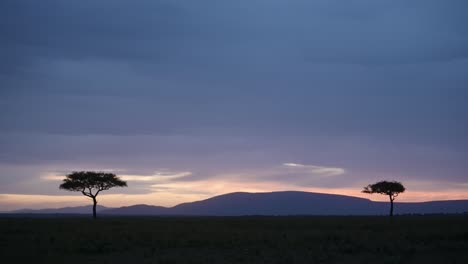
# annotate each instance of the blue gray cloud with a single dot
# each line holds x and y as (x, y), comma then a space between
(218, 87)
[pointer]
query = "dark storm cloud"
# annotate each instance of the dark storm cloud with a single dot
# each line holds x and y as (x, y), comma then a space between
(83, 29)
(166, 31)
(233, 65)
(214, 86)
(405, 103)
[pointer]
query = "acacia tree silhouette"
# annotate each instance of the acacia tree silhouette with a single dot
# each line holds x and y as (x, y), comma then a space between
(91, 183)
(392, 189)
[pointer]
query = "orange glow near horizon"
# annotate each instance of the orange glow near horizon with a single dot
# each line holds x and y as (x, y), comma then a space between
(174, 193)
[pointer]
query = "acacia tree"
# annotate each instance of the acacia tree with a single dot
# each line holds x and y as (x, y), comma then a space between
(392, 189)
(91, 183)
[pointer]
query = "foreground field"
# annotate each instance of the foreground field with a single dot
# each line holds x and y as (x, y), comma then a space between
(441, 239)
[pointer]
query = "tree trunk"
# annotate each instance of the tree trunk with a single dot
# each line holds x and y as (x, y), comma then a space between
(391, 206)
(94, 207)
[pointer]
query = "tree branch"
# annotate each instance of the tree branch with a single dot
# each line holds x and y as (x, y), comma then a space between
(87, 194)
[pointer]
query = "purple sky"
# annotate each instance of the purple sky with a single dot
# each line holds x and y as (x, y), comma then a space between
(189, 99)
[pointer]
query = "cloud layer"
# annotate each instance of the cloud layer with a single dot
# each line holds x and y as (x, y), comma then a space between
(249, 94)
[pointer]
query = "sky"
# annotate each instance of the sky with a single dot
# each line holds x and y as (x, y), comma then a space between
(190, 99)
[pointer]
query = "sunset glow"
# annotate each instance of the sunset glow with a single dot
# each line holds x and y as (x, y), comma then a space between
(172, 193)
(186, 100)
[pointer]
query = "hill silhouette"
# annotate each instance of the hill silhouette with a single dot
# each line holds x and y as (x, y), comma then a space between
(272, 203)
(276, 203)
(65, 210)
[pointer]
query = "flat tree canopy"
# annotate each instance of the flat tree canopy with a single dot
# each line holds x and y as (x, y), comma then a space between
(390, 188)
(91, 183)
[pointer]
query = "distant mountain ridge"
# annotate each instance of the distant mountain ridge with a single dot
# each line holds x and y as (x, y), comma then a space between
(272, 203)
(65, 210)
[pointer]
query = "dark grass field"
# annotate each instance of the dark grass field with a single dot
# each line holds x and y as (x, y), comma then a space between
(415, 239)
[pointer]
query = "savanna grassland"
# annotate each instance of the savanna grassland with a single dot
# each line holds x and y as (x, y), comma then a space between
(415, 239)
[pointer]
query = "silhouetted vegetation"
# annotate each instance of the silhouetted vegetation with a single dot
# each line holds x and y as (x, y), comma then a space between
(392, 189)
(91, 183)
(409, 239)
